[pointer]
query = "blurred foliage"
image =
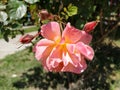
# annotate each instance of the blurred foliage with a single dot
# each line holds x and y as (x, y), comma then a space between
(77, 12)
(14, 13)
(16, 9)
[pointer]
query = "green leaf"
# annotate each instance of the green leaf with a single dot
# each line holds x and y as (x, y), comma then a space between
(17, 9)
(72, 10)
(6, 34)
(16, 26)
(3, 16)
(31, 1)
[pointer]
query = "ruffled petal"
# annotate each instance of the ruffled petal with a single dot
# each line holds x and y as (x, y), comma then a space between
(57, 68)
(46, 56)
(51, 31)
(39, 51)
(66, 59)
(74, 55)
(75, 69)
(54, 62)
(74, 63)
(85, 37)
(42, 48)
(45, 42)
(71, 48)
(85, 50)
(71, 34)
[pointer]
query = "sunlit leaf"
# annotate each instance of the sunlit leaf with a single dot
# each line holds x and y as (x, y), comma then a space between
(31, 1)
(17, 9)
(72, 10)
(3, 16)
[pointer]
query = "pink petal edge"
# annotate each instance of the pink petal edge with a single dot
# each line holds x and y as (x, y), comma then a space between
(71, 34)
(85, 50)
(51, 31)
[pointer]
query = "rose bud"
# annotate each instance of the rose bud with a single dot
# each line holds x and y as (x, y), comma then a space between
(26, 39)
(90, 26)
(44, 15)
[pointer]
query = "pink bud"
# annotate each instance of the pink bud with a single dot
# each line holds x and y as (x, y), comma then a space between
(26, 39)
(90, 26)
(43, 14)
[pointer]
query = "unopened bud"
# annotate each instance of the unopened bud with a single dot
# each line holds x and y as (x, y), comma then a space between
(44, 15)
(90, 26)
(26, 39)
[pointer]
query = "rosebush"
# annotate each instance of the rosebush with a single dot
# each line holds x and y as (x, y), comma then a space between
(79, 12)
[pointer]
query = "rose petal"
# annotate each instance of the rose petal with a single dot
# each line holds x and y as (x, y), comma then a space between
(56, 54)
(71, 48)
(71, 34)
(45, 42)
(85, 37)
(39, 51)
(41, 48)
(73, 54)
(45, 56)
(79, 69)
(66, 59)
(73, 63)
(55, 58)
(57, 68)
(85, 50)
(51, 31)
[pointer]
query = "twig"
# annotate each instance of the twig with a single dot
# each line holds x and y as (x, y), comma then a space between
(106, 34)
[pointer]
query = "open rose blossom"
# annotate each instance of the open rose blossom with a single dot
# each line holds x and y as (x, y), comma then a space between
(66, 52)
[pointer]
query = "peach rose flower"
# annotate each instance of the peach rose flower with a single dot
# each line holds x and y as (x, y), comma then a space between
(65, 51)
